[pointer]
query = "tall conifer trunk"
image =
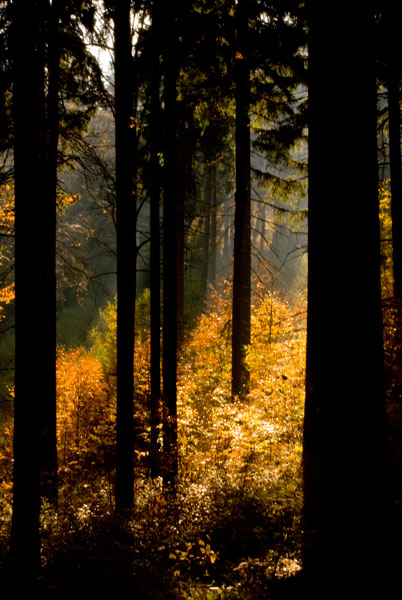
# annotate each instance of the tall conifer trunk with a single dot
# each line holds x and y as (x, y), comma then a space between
(126, 257)
(394, 125)
(212, 245)
(28, 69)
(206, 237)
(180, 217)
(242, 248)
(156, 147)
(208, 275)
(344, 435)
(47, 242)
(170, 268)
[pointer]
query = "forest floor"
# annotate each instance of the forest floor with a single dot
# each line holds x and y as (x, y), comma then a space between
(247, 555)
(235, 549)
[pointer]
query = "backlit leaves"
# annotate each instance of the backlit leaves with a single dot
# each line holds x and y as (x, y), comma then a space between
(261, 436)
(7, 218)
(84, 405)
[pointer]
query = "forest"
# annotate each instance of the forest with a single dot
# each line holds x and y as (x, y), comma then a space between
(200, 299)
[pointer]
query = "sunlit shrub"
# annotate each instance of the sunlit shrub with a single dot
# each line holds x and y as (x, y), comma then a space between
(7, 216)
(102, 340)
(386, 240)
(234, 523)
(85, 407)
(103, 348)
(258, 438)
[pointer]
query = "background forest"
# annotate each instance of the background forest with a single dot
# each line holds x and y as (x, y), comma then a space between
(200, 292)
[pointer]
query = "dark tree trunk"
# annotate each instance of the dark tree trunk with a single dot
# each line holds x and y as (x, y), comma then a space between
(394, 123)
(227, 250)
(156, 146)
(396, 180)
(126, 257)
(47, 254)
(28, 101)
(214, 136)
(213, 218)
(209, 257)
(180, 236)
(263, 246)
(170, 271)
(344, 436)
(206, 240)
(242, 251)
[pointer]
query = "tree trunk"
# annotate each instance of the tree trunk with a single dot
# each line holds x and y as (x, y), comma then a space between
(242, 251)
(394, 123)
(126, 257)
(170, 271)
(227, 250)
(212, 245)
(180, 236)
(344, 436)
(47, 245)
(28, 68)
(209, 257)
(155, 124)
(206, 240)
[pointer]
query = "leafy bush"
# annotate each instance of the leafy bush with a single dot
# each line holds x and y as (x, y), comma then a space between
(233, 525)
(84, 405)
(253, 438)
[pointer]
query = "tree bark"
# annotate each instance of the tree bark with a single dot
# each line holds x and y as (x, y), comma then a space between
(156, 147)
(47, 245)
(394, 124)
(212, 245)
(209, 258)
(180, 235)
(28, 101)
(344, 436)
(170, 270)
(242, 247)
(126, 256)
(206, 240)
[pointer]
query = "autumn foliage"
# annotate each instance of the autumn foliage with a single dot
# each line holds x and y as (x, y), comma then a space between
(253, 440)
(235, 456)
(84, 406)
(218, 436)
(7, 215)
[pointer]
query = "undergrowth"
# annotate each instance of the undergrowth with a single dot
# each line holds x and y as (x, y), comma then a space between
(233, 527)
